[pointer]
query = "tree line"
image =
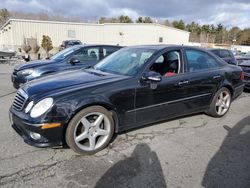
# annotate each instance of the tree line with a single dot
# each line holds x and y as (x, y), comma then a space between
(206, 33)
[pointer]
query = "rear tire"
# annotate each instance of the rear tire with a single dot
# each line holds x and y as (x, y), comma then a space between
(220, 103)
(90, 130)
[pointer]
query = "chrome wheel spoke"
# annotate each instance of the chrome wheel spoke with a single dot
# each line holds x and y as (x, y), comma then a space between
(226, 97)
(85, 123)
(82, 136)
(221, 96)
(102, 132)
(92, 140)
(98, 121)
(219, 110)
(218, 103)
(227, 105)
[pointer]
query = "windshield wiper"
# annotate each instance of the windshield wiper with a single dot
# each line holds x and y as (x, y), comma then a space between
(110, 71)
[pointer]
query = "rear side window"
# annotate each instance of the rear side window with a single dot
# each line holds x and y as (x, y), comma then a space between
(198, 60)
(225, 54)
(88, 54)
(216, 52)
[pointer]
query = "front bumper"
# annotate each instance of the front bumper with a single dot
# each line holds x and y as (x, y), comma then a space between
(48, 137)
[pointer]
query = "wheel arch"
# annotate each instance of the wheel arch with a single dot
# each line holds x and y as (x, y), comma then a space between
(230, 88)
(105, 105)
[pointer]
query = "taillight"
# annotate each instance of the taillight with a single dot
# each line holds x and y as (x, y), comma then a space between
(242, 75)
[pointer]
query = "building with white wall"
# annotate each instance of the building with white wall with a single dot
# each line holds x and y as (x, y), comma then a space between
(13, 32)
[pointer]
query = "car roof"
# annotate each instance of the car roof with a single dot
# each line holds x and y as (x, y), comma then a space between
(159, 47)
(94, 45)
(71, 40)
(154, 46)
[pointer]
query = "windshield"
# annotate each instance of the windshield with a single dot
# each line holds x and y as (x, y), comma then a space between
(64, 53)
(127, 61)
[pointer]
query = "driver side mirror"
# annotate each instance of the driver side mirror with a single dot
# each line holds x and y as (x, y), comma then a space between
(74, 61)
(152, 76)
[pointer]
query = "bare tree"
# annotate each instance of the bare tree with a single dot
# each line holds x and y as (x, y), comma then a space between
(47, 44)
(4, 16)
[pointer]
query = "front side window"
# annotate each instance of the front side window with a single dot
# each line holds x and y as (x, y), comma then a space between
(87, 54)
(127, 61)
(168, 64)
(198, 60)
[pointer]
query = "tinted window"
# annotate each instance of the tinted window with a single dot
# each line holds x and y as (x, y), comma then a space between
(225, 54)
(64, 53)
(160, 59)
(88, 54)
(168, 64)
(198, 60)
(107, 50)
(74, 43)
(216, 52)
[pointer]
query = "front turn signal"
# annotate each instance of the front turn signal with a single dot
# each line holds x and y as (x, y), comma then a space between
(50, 125)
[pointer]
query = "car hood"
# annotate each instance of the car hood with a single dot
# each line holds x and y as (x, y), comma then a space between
(70, 80)
(33, 64)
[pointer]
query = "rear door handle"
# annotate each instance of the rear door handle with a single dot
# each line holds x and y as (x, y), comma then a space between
(216, 76)
(181, 83)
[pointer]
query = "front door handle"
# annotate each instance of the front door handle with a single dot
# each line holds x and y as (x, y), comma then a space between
(181, 83)
(216, 76)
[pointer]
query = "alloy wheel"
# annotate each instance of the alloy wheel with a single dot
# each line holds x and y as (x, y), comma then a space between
(223, 102)
(92, 131)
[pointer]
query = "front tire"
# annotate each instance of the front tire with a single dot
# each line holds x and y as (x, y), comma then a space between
(221, 103)
(90, 130)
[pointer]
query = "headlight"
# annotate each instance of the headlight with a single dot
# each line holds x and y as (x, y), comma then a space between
(29, 106)
(41, 107)
(26, 72)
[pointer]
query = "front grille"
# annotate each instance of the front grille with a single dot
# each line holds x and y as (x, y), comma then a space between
(20, 100)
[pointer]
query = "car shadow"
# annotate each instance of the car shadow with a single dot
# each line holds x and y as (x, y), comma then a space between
(230, 166)
(141, 169)
(246, 90)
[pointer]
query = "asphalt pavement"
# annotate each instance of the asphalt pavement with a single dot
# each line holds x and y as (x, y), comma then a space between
(194, 151)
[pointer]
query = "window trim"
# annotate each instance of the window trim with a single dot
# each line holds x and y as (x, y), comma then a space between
(158, 54)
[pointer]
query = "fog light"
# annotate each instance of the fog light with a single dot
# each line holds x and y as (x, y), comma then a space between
(35, 136)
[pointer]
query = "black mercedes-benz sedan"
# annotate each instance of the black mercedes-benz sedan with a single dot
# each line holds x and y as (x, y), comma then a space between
(74, 57)
(134, 86)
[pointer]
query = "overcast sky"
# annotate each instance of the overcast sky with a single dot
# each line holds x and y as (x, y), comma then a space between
(227, 12)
